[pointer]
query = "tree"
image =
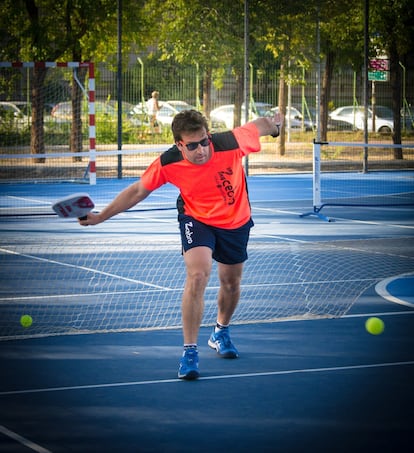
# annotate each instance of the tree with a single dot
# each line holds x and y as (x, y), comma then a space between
(286, 30)
(207, 34)
(71, 30)
(27, 38)
(342, 32)
(392, 31)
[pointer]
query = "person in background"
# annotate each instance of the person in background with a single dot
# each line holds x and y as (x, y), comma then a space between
(153, 107)
(214, 218)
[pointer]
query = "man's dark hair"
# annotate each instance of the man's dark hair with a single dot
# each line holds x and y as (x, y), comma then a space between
(187, 121)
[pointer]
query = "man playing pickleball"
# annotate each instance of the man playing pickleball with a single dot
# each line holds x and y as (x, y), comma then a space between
(214, 216)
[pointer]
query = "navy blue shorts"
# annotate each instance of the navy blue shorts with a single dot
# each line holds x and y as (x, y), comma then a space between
(228, 246)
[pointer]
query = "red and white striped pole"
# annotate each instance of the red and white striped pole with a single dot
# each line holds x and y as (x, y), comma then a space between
(92, 128)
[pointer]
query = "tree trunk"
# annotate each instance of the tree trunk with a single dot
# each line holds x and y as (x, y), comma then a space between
(37, 139)
(326, 94)
(282, 109)
(395, 79)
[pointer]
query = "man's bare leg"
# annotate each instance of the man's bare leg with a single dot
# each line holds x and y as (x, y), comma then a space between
(198, 262)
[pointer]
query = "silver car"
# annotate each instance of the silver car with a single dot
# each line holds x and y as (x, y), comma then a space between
(384, 123)
(15, 114)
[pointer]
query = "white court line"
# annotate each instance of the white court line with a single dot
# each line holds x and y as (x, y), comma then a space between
(84, 268)
(22, 440)
(155, 220)
(274, 210)
(275, 236)
(381, 289)
(371, 222)
(364, 222)
(210, 378)
(32, 200)
(384, 313)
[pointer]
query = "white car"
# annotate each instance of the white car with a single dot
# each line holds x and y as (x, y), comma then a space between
(295, 119)
(181, 105)
(15, 114)
(62, 112)
(139, 115)
(384, 123)
(224, 115)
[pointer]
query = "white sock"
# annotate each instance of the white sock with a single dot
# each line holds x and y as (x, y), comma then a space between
(219, 327)
(190, 346)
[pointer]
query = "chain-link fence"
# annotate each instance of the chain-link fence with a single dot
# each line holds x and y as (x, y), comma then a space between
(183, 86)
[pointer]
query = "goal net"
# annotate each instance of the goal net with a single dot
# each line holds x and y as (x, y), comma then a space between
(47, 121)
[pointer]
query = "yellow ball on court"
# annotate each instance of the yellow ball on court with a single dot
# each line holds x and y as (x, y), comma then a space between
(375, 326)
(26, 320)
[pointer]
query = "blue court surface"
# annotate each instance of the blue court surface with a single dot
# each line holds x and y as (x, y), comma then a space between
(84, 378)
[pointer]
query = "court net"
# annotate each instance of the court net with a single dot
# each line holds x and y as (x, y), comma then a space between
(120, 283)
(29, 189)
(370, 185)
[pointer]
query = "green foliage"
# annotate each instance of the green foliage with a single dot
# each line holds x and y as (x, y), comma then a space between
(10, 136)
(107, 133)
(342, 31)
(392, 22)
(47, 30)
(207, 34)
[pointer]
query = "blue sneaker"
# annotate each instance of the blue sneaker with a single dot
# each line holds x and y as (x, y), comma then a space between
(221, 342)
(189, 365)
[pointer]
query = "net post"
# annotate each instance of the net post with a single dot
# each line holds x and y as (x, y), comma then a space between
(316, 174)
(92, 127)
(316, 182)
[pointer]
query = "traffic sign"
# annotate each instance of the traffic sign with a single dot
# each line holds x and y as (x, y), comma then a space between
(379, 64)
(378, 76)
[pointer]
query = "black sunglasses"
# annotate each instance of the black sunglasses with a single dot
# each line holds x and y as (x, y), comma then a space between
(192, 146)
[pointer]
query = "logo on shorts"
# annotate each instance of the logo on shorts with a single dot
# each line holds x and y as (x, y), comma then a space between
(188, 232)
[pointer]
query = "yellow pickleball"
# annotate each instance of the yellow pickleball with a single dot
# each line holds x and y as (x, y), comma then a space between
(375, 326)
(26, 320)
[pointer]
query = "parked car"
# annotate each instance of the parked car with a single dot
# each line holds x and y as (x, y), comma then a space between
(384, 123)
(339, 125)
(181, 105)
(295, 119)
(333, 124)
(47, 108)
(261, 108)
(15, 114)
(24, 107)
(224, 115)
(126, 106)
(139, 114)
(62, 112)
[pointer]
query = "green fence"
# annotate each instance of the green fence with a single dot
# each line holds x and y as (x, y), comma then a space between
(182, 84)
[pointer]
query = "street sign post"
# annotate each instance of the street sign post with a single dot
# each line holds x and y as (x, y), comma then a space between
(378, 69)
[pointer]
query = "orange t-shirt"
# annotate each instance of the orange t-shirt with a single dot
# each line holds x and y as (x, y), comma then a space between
(214, 193)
